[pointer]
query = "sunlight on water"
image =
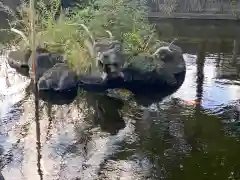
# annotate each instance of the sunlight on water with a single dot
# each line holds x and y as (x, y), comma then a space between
(215, 93)
(73, 147)
(12, 91)
(12, 88)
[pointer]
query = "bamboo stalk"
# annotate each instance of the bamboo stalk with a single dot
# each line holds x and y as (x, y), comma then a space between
(33, 58)
(33, 39)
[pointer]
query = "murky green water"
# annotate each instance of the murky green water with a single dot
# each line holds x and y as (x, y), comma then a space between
(192, 134)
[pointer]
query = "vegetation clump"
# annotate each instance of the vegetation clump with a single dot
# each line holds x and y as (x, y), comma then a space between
(59, 29)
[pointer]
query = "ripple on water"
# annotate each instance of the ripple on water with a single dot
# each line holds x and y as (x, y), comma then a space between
(215, 92)
(12, 92)
(150, 145)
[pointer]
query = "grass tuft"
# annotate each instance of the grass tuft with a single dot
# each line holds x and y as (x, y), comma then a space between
(60, 31)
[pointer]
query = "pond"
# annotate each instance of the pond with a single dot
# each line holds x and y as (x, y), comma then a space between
(191, 134)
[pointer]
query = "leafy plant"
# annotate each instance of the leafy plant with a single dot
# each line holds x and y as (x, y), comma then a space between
(127, 20)
(54, 30)
(59, 30)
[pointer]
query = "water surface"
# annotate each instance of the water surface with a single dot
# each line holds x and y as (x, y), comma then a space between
(192, 134)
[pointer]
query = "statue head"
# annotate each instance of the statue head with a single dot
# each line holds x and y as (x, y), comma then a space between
(107, 53)
(109, 58)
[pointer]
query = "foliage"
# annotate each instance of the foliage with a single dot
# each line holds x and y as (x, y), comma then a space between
(128, 22)
(60, 31)
(57, 34)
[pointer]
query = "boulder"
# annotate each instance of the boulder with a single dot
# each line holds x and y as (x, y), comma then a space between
(149, 95)
(59, 78)
(145, 76)
(22, 61)
(44, 62)
(98, 85)
(163, 72)
(155, 76)
(19, 60)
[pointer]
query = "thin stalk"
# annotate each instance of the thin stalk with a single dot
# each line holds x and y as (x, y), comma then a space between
(33, 39)
(33, 58)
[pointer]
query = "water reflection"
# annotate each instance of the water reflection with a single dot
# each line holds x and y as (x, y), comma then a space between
(38, 131)
(58, 98)
(50, 121)
(200, 61)
(107, 113)
(99, 137)
(229, 64)
(1, 153)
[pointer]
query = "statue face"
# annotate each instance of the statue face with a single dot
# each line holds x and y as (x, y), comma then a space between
(109, 58)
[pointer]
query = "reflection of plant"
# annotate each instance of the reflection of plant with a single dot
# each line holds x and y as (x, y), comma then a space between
(234, 8)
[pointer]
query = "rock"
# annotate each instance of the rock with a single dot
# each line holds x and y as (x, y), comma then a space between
(164, 72)
(145, 76)
(19, 60)
(59, 78)
(98, 85)
(44, 61)
(22, 61)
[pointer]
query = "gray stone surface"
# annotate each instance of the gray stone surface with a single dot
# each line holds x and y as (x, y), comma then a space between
(58, 78)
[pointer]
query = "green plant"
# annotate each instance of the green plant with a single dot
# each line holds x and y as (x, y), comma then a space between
(60, 31)
(61, 35)
(127, 20)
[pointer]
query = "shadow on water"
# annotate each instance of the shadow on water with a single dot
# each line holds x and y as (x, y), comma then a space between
(50, 121)
(200, 71)
(107, 113)
(191, 134)
(38, 133)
